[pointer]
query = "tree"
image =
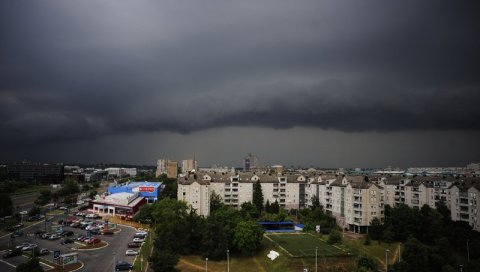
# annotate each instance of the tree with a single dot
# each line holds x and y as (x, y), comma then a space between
(365, 263)
(248, 237)
(32, 265)
(315, 202)
(44, 197)
(267, 207)
(214, 240)
(248, 211)
(375, 230)
(6, 205)
(257, 196)
(164, 260)
(334, 237)
(144, 214)
(229, 218)
(216, 202)
(195, 226)
(275, 207)
(35, 210)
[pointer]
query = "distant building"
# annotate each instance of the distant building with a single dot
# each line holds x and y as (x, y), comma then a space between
(168, 167)
(189, 165)
(120, 204)
(172, 169)
(36, 172)
(250, 163)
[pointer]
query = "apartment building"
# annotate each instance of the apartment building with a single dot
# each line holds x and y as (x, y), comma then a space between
(353, 200)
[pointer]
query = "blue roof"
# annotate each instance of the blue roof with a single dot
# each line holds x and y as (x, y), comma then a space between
(140, 183)
(275, 223)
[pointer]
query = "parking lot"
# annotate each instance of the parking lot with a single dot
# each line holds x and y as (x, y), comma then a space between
(94, 259)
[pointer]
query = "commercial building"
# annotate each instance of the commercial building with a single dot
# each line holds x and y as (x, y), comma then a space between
(119, 204)
(36, 172)
(149, 190)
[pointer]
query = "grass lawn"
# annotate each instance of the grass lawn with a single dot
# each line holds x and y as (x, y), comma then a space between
(304, 244)
(375, 250)
(260, 262)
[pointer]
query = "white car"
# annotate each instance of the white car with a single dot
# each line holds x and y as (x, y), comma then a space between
(131, 252)
(54, 237)
(22, 245)
(143, 233)
(91, 216)
(138, 240)
(63, 208)
(23, 212)
(29, 247)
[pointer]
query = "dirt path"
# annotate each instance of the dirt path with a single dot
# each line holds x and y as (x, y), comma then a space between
(192, 264)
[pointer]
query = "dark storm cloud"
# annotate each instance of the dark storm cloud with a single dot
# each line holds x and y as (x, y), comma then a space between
(86, 69)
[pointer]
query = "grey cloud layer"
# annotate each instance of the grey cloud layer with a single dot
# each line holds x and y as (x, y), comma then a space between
(85, 69)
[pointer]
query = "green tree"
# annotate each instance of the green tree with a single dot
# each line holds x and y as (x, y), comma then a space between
(164, 260)
(258, 196)
(144, 214)
(248, 237)
(267, 207)
(6, 205)
(195, 226)
(315, 202)
(32, 265)
(365, 263)
(44, 197)
(35, 210)
(214, 240)
(229, 218)
(334, 237)
(249, 211)
(216, 202)
(275, 207)
(375, 230)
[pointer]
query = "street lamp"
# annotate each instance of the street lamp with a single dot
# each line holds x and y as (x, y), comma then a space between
(228, 260)
(316, 259)
(206, 264)
(386, 259)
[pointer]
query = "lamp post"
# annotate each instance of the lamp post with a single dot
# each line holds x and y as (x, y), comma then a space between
(206, 264)
(468, 252)
(386, 259)
(228, 260)
(316, 259)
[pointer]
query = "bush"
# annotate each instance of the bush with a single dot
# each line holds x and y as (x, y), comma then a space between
(334, 237)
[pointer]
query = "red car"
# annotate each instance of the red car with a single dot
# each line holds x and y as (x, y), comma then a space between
(133, 245)
(93, 240)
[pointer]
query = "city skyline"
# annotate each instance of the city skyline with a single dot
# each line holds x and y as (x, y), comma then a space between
(324, 84)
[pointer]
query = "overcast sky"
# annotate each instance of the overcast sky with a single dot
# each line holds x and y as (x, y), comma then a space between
(312, 83)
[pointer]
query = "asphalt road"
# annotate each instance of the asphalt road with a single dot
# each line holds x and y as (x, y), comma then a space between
(96, 260)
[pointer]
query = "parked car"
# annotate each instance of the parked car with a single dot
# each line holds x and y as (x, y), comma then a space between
(67, 241)
(138, 240)
(122, 265)
(63, 208)
(18, 226)
(107, 232)
(29, 247)
(131, 252)
(39, 233)
(134, 245)
(22, 245)
(81, 237)
(16, 233)
(91, 216)
(54, 237)
(43, 251)
(68, 233)
(93, 240)
(23, 212)
(75, 225)
(46, 235)
(12, 253)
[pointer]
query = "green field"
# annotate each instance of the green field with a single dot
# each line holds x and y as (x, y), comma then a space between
(304, 244)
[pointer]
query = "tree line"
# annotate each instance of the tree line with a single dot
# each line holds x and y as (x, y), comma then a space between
(431, 240)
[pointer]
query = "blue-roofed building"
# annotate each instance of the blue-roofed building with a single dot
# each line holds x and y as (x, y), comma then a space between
(149, 190)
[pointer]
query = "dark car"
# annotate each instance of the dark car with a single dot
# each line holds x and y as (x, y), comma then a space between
(67, 241)
(43, 251)
(134, 245)
(68, 233)
(123, 266)
(82, 208)
(39, 233)
(16, 234)
(13, 253)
